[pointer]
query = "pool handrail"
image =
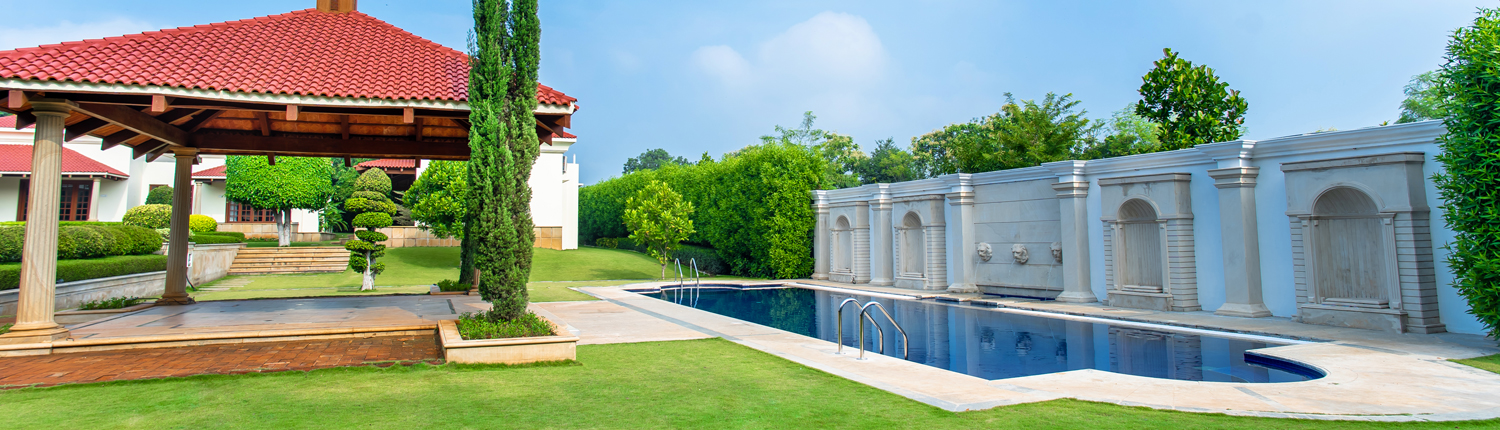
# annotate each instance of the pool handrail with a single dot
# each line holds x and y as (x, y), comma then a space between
(905, 342)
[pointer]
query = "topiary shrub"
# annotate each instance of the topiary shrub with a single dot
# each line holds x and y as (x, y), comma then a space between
(149, 216)
(85, 241)
(373, 206)
(374, 180)
(159, 196)
(202, 223)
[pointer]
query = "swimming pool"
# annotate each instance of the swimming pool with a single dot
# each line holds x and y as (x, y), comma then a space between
(991, 344)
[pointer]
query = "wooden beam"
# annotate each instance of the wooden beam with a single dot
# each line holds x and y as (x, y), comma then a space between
(347, 161)
(265, 123)
(158, 104)
(83, 128)
(418, 126)
(25, 119)
(117, 138)
(136, 121)
(16, 99)
(157, 153)
(408, 115)
(271, 159)
(344, 125)
(199, 120)
(146, 148)
(215, 143)
(291, 112)
(175, 115)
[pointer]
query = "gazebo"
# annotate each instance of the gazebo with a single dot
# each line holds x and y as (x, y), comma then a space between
(322, 82)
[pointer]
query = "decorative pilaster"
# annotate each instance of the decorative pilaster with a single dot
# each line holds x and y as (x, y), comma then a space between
(177, 243)
(882, 242)
(1072, 200)
(937, 257)
(861, 263)
(34, 323)
(94, 201)
(820, 237)
(961, 200)
(1241, 241)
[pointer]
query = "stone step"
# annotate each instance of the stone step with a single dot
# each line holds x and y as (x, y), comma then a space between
(292, 260)
(275, 271)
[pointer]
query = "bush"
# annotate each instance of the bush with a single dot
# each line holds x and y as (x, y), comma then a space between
(85, 241)
(450, 285)
(605, 242)
(209, 239)
(159, 196)
(372, 220)
(708, 261)
(488, 325)
(374, 180)
(202, 223)
(234, 234)
(149, 216)
(93, 268)
(114, 303)
(60, 223)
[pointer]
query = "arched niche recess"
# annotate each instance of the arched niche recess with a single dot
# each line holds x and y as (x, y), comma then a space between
(1362, 249)
(1142, 265)
(843, 247)
(911, 256)
(1149, 261)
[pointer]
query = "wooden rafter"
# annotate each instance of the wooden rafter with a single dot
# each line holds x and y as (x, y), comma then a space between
(265, 123)
(117, 138)
(317, 147)
(136, 121)
(193, 125)
(83, 128)
(147, 148)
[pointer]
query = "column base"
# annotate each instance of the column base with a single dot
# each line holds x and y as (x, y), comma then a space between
(963, 288)
(474, 291)
(881, 282)
(1077, 297)
(176, 301)
(820, 276)
(1243, 310)
(45, 335)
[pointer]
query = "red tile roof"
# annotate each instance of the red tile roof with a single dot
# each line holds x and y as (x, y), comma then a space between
(305, 52)
(210, 173)
(17, 159)
(391, 163)
(8, 122)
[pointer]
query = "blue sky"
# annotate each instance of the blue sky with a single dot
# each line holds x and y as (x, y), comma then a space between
(695, 76)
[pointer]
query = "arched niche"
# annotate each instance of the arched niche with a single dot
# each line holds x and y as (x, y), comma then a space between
(1362, 248)
(912, 256)
(1142, 261)
(843, 246)
(1149, 260)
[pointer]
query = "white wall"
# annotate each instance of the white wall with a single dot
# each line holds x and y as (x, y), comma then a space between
(554, 191)
(10, 198)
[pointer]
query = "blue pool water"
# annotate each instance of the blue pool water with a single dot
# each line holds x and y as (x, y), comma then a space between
(990, 344)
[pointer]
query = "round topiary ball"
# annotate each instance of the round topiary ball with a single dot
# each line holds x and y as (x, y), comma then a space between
(159, 196)
(149, 216)
(202, 223)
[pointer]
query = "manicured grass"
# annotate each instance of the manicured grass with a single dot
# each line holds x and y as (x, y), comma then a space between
(1488, 362)
(709, 383)
(591, 264)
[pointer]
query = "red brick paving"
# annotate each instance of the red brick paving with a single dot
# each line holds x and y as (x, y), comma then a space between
(68, 368)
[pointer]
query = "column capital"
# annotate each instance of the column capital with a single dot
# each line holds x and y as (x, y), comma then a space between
(1234, 177)
(184, 151)
(1071, 190)
(52, 107)
(1235, 153)
(960, 198)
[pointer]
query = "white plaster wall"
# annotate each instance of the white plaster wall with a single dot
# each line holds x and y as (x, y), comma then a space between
(211, 200)
(10, 198)
(1025, 213)
(554, 193)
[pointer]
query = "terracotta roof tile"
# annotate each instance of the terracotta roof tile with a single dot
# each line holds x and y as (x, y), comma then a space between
(17, 158)
(306, 52)
(210, 173)
(391, 163)
(8, 122)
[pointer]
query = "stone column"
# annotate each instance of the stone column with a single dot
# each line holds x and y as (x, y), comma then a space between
(882, 242)
(1072, 200)
(961, 201)
(861, 242)
(177, 244)
(94, 201)
(820, 237)
(34, 307)
(1241, 240)
(936, 269)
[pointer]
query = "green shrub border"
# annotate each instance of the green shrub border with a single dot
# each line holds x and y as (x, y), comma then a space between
(91, 268)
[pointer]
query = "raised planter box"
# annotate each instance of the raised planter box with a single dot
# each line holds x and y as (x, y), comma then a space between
(71, 295)
(439, 292)
(77, 317)
(558, 347)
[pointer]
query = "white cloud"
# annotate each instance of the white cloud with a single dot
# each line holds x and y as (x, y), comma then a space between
(67, 31)
(831, 51)
(725, 64)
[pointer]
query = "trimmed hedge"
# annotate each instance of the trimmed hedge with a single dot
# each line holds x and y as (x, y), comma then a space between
(60, 223)
(209, 239)
(202, 223)
(92, 268)
(149, 216)
(234, 234)
(85, 241)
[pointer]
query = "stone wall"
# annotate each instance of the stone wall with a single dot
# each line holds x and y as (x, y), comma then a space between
(411, 236)
(72, 294)
(211, 261)
(1221, 216)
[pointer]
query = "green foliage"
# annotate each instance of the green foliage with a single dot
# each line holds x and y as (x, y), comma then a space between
(92, 268)
(1424, 99)
(1470, 180)
(208, 239)
(293, 183)
(1125, 134)
(651, 160)
(708, 262)
(605, 242)
(149, 216)
(159, 196)
(234, 234)
(1022, 134)
(375, 181)
(889, 164)
(449, 285)
(111, 303)
(659, 219)
(85, 241)
(496, 325)
(437, 199)
(372, 220)
(202, 223)
(844, 160)
(370, 236)
(60, 223)
(503, 146)
(1190, 103)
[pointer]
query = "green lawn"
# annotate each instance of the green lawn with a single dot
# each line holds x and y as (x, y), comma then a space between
(1488, 362)
(709, 383)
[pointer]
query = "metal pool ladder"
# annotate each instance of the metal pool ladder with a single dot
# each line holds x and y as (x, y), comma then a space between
(864, 314)
(682, 282)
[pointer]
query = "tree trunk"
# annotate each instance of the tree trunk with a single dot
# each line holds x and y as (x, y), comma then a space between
(369, 282)
(664, 271)
(284, 227)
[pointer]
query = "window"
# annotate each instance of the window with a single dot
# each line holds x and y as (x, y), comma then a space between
(240, 212)
(73, 205)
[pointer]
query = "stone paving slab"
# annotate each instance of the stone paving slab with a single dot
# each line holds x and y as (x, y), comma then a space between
(47, 370)
(602, 322)
(279, 314)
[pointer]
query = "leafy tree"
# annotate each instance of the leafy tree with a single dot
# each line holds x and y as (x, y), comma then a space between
(1470, 180)
(1125, 133)
(1424, 99)
(889, 164)
(293, 183)
(438, 196)
(843, 156)
(159, 196)
(659, 220)
(371, 203)
(1022, 134)
(1190, 103)
(503, 147)
(652, 160)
